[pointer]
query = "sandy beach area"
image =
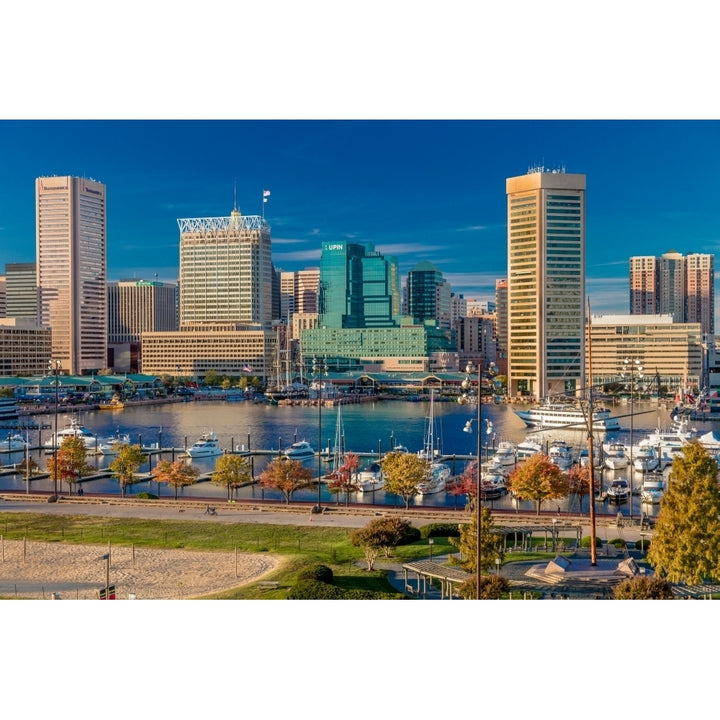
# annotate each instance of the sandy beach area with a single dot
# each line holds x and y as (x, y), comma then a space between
(78, 572)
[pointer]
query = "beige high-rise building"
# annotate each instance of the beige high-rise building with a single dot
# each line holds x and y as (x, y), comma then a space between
(700, 291)
(299, 296)
(226, 270)
(546, 283)
(643, 285)
(71, 270)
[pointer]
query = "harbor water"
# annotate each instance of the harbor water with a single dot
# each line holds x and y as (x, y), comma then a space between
(370, 429)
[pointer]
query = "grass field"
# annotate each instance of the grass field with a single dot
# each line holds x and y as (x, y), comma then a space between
(298, 546)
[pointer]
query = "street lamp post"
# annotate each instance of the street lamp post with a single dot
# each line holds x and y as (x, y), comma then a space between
(465, 398)
(318, 370)
(632, 365)
(54, 366)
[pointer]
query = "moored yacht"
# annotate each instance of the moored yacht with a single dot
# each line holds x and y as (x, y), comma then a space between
(73, 429)
(299, 450)
(207, 445)
(561, 454)
(527, 448)
(13, 443)
(437, 481)
(619, 491)
(645, 458)
(370, 478)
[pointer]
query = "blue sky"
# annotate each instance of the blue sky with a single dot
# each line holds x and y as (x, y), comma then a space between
(422, 190)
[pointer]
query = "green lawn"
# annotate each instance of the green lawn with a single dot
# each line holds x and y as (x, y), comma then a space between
(298, 546)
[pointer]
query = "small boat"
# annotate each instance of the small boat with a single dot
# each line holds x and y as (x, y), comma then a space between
(505, 453)
(645, 458)
(652, 491)
(619, 491)
(437, 482)
(370, 478)
(561, 454)
(111, 445)
(13, 443)
(527, 448)
(115, 404)
(299, 450)
(73, 429)
(615, 455)
(617, 461)
(207, 445)
(493, 488)
(566, 415)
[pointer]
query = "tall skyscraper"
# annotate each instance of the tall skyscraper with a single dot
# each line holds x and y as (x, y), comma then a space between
(22, 291)
(677, 285)
(428, 295)
(359, 287)
(546, 283)
(226, 271)
(71, 270)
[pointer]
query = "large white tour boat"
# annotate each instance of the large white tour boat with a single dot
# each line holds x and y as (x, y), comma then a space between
(566, 416)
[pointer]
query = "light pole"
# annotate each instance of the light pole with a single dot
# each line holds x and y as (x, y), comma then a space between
(631, 366)
(465, 398)
(318, 370)
(54, 366)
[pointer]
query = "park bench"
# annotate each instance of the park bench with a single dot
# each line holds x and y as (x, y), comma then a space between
(269, 584)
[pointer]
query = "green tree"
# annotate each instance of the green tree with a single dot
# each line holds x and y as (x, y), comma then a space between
(70, 461)
(538, 479)
(126, 463)
(643, 588)
(286, 475)
(371, 542)
(386, 533)
(403, 472)
(686, 542)
(491, 543)
(232, 471)
(178, 474)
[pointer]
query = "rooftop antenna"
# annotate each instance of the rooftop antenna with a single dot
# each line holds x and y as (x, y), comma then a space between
(235, 196)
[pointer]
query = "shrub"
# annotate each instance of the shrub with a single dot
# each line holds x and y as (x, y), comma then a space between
(440, 530)
(493, 586)
(585, 542)
(317, 590)
(410, 534)
(643, 588)
(314, 590)
(617, 542)
(321, 573)
(146, 496)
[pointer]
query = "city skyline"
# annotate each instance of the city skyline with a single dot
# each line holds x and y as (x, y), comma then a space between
(421, 190)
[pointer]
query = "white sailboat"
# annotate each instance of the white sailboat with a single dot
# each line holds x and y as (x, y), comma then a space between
(438, 473)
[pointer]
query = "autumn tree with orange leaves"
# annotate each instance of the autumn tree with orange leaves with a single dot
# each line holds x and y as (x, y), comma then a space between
(344, 478)
(178, 474)
(538, 479)
(286, 475)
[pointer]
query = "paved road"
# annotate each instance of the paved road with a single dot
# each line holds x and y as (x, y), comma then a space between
(232, 513)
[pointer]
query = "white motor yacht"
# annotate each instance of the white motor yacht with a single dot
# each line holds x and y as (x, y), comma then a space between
(207, 445)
